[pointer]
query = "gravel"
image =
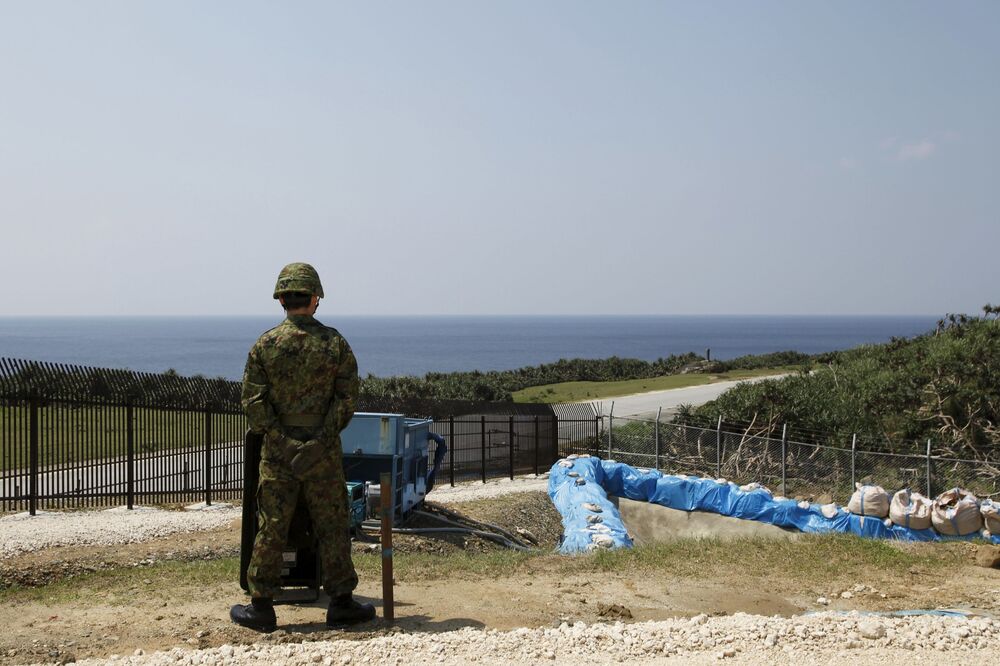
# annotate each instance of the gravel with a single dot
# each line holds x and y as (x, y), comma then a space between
(24, 533)
(739, 638)
(473, 490)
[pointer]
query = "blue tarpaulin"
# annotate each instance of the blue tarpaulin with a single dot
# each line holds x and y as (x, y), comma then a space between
(579, 488)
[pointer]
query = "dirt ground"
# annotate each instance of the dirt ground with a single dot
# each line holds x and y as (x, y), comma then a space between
(90, 615)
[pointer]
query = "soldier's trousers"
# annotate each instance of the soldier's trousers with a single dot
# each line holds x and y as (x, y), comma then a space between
(325, 494)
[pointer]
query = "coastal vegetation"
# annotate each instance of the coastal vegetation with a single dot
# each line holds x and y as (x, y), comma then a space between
(501, 385)
(583, 391)
(943, 385)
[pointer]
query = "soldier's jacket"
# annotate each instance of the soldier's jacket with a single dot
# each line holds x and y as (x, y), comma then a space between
(300, 368)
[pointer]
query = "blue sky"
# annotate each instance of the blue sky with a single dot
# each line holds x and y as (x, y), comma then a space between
(491, 158)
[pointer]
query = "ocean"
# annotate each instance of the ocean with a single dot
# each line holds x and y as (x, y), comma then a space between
(415, 345)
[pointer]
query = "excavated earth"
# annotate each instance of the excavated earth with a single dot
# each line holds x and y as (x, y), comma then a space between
(58, 610)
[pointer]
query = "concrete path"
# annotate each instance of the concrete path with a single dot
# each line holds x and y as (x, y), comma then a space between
(645, 404)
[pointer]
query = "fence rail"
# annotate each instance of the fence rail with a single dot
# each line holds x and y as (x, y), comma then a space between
(73, 436)
(789, 467)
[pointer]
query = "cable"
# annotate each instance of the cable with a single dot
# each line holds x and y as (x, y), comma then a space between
(496, 528)
(450, 530)
(451, 522)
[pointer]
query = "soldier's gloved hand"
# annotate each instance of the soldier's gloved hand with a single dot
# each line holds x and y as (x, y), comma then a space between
(306, 457)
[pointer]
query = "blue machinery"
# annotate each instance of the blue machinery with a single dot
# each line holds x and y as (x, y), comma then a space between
(579, 487)
(376, 443)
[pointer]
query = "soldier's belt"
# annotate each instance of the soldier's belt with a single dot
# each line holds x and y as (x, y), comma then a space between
(302, 420)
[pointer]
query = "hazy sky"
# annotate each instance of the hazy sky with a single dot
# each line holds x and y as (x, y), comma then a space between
(501, 157)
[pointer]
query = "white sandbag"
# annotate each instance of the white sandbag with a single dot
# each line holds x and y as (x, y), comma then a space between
(910, 509)
(991, 515)
(754, 486)
(956, 513)
(869, 501)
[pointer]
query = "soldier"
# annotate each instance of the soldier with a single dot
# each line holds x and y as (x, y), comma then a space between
(299, 390)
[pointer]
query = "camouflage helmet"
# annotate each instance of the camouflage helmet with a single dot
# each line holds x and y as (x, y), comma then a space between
(298, 277)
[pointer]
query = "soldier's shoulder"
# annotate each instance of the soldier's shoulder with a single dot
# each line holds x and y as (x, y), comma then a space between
(271, 334)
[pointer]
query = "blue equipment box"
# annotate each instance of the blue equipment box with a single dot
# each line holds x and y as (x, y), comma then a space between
(374, 443)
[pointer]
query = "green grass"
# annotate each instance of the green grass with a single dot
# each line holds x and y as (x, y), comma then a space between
(581, 391)
(168, 579)
(800, 562)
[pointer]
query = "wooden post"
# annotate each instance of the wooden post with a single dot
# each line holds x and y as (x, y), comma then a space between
(385, 495)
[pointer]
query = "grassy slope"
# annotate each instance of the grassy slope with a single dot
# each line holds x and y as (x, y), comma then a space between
(830, 558)
(580, 391)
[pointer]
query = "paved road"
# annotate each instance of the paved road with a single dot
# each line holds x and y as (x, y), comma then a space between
(647, 403)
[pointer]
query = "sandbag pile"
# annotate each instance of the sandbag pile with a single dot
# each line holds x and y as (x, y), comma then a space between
(956, 513)
(991, 516)
(911, 510)
(869, 501)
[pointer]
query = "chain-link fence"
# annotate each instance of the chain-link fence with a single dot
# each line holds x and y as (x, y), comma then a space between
(786, 465)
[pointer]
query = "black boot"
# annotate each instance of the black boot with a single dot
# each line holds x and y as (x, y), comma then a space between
(257, 615)
(344, 610)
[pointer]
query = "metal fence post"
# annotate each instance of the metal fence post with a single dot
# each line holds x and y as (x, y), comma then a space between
(929, 495)
(854, 448)
(784, 458)
(33, 455)
(656, 438)
(597, 435)
(130, 454)
(510, 447)
(208, 457)
(538, 444)
(451, 450)
(555, 439)
(611, 425)
(482, 447)
(718, 448)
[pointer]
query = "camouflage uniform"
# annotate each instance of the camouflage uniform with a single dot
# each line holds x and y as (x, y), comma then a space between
(300, 387)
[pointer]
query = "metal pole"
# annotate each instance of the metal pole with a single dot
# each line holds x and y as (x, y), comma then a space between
(929, 469)
(597, 435)
(538, 444)
(611, 417)
(718, 448)
(385, 495)
(208, 457)
(510, 447)
(555, 439)
(33, 455)
(451, 449)
(784, 458)
(656, 437)
(854, 448)
(130, 453)
(482, 448)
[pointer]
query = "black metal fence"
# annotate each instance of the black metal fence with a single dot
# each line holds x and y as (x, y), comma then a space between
(73, 436)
